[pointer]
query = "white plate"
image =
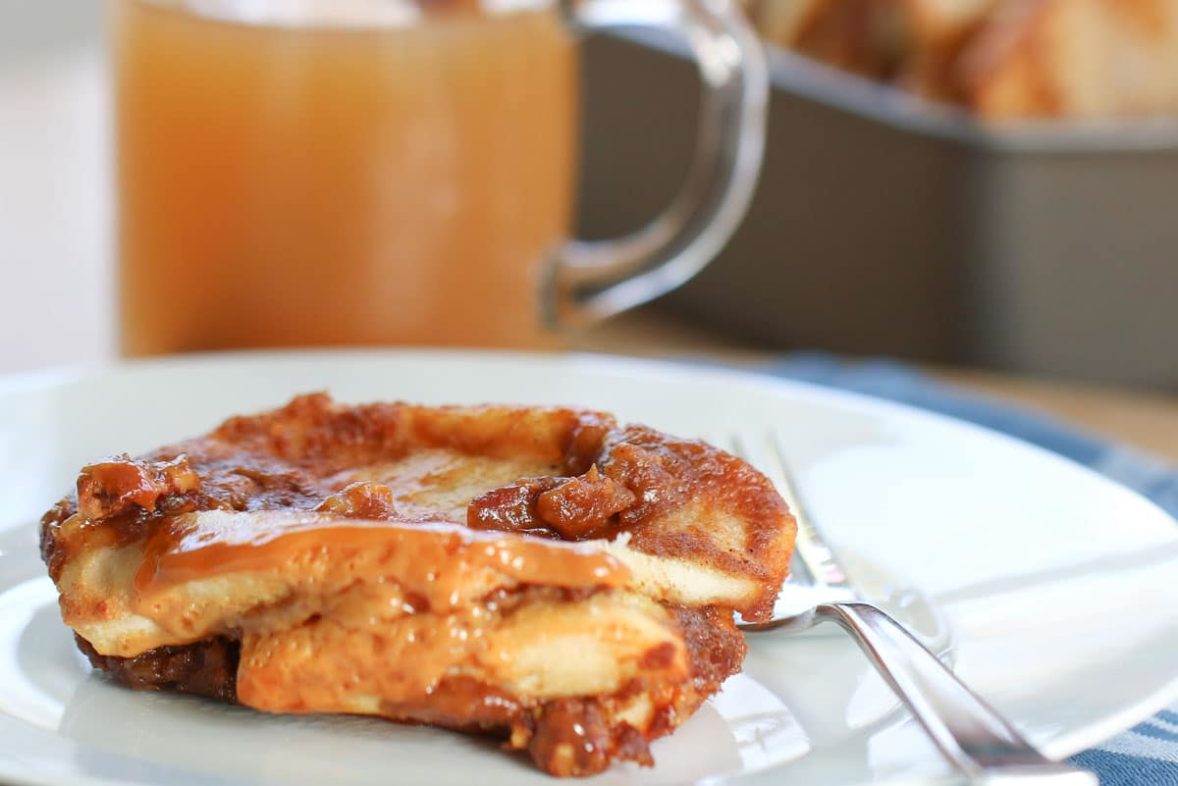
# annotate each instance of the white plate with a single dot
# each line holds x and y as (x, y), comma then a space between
(1057, 584)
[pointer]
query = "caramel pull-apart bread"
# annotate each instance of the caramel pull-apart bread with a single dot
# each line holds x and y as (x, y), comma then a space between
(541, 574)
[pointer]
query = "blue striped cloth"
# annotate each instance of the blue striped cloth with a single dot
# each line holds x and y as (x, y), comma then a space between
(1147, 754)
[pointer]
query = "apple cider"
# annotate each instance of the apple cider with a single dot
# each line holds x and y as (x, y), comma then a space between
(339, 185)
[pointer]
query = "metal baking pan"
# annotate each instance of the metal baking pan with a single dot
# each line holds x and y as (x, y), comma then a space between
(882, 224)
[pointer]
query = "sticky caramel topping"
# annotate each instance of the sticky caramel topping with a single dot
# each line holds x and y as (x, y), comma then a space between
(559, 474)
(540, 572)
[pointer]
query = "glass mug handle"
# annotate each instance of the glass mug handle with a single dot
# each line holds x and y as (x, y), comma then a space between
(591, 280)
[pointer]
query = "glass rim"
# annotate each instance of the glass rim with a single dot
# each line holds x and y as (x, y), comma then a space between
(342, 14)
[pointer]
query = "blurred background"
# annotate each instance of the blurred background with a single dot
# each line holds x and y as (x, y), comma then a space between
(56, 194)
(970, 182)
(977, 183)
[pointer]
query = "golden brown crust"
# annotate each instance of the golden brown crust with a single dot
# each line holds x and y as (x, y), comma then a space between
(206, 668)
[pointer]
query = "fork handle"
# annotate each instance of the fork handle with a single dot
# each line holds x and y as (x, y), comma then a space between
(967, 731)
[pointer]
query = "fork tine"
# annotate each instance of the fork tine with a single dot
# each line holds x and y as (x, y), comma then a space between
(815, 553)
(755, 452)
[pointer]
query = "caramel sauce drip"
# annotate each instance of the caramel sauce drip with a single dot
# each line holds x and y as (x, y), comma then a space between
(434, 559)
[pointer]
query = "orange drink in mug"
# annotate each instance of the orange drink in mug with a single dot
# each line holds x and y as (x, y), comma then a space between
(346, 172)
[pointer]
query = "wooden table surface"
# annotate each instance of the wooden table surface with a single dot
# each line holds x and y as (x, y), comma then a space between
(1146, 420)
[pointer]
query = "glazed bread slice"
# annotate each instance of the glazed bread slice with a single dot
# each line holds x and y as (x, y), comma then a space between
(520, 570)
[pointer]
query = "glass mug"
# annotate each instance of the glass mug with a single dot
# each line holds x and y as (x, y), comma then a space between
(344, 172)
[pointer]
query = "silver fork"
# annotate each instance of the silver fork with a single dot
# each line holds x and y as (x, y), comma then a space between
(975, 739)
